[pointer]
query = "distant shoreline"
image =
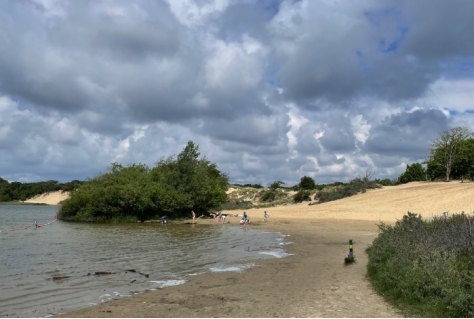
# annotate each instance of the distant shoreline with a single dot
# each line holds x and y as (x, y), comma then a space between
(25, 203)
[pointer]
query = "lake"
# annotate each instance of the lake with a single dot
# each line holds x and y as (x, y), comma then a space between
(168, 254)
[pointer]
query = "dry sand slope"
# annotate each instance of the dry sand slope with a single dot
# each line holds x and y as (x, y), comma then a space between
(313, 282)
(51, 198)
(387, 204)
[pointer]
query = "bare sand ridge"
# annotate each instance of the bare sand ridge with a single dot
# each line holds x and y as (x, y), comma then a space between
(51, 198)
(311, 283)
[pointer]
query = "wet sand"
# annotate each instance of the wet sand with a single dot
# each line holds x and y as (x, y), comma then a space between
(314, 281)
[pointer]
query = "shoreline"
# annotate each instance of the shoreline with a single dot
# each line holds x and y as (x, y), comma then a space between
(312, 282)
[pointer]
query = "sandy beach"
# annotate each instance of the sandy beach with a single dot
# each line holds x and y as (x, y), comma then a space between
(313, 282)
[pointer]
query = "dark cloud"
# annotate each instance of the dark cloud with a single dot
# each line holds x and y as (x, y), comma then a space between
(87, 83)
(339, 139)
(407, 134)
(438, 29)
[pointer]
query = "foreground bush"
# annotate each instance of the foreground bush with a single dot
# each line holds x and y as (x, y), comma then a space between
(426, 267)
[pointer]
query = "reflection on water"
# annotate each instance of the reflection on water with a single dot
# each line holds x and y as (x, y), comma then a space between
(160, 255)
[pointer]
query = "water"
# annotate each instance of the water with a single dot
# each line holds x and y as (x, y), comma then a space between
(169, 254)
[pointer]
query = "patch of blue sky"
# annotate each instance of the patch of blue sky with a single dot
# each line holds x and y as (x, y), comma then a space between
(271, 73)
(362, 62)
(393, 45)
(458, 67)
(389, 14)
(268, 8)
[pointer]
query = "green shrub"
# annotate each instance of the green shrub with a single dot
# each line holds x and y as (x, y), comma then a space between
(174, 187)
(268, 196)
(355, 186)
(302, 195)
(414, 172)
(426, 267)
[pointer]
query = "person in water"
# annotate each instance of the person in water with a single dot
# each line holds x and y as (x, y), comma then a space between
(163, 219)
(36, 224)
(246, 218)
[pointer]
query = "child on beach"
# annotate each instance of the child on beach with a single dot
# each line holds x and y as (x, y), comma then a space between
(194, 216)
(265, 216)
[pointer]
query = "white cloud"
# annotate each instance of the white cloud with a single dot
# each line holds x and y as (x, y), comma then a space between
(191, 14)
(234, 64)
(361, 128)
(450, 94)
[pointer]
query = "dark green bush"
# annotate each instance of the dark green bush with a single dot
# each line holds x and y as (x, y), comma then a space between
(174, 187)
(426, 267)
(301, 196)
(268, 196)
(355, 186)
(414, 172)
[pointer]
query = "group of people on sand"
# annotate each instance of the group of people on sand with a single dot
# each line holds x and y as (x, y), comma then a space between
(220, 217)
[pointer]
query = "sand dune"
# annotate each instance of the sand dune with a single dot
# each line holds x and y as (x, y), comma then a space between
(52, 198)
(387, 204)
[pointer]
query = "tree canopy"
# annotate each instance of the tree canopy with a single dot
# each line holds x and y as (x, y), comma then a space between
(448, 149)
(452, 155)
(174, 187)
(413, 172)
(16, 191)
(307, 182)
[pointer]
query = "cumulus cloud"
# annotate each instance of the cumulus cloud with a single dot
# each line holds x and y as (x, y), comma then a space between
(270, 90)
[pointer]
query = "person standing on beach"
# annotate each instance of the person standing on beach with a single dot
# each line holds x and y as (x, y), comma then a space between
(194, 216)
(265, 216)
(36, 224)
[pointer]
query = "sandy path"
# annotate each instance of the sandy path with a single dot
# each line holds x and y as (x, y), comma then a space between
(311, 283)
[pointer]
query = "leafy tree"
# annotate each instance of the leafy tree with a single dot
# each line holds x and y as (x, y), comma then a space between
(307, 182)
(447, 148)
(173, 187)
(276, 184)
(413, 172)
(465, 165)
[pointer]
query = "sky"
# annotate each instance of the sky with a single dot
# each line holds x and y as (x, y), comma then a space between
(269, 90)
